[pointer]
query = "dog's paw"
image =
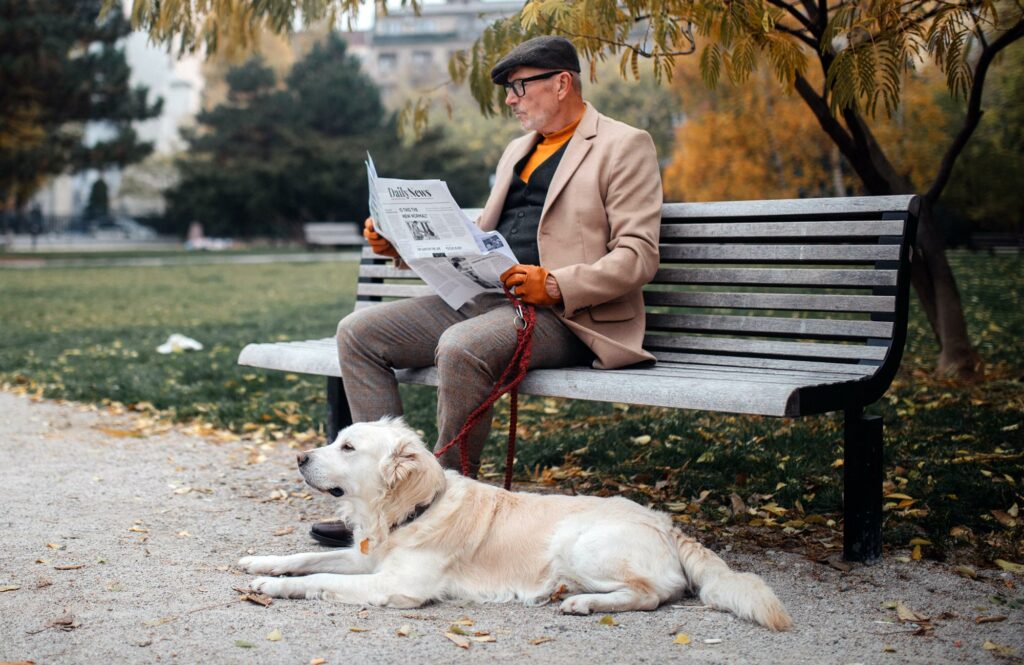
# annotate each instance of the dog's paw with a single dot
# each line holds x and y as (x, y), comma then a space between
(275, 587)
(576, 605)
(262, 565)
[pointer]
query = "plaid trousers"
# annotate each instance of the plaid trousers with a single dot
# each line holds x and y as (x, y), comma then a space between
(470, 347)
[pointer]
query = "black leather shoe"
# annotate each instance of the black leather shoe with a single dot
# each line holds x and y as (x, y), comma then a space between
(331, 534)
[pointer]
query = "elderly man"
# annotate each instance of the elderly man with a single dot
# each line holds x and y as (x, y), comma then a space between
(579, 200)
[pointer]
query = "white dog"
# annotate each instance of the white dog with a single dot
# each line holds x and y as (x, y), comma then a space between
(425, 534)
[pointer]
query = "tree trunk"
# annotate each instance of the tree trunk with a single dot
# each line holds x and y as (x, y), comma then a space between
(931, 275)
(936, 287)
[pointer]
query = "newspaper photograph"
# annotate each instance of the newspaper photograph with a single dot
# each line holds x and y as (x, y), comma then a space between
(421, 219)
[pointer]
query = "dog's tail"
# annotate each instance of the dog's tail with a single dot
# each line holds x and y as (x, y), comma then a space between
(744, 594)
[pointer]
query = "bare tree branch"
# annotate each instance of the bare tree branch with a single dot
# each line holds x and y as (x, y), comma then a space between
(974, 111)
(792, 11)
(799, 34)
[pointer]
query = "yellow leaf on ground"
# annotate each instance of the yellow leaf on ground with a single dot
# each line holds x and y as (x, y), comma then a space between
(681, 638)
(916, 554)
(904, 613)
(458, 640)
(541, 640)
(318, 661)
(274, 636)
(1009, 566)
(608, 620)
(898, 496)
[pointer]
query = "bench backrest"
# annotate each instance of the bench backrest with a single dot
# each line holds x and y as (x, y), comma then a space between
(804, 284)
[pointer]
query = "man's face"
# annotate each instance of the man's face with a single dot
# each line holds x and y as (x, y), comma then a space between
(539, 105)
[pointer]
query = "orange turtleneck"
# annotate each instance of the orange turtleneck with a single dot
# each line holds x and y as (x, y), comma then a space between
(547, 147)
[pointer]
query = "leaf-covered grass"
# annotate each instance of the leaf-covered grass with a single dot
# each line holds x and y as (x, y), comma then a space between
(954, 455)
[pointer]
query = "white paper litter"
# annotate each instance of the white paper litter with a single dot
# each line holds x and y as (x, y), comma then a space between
(177, 343)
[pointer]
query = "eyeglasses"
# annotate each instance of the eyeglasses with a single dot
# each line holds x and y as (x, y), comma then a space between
(518, 86)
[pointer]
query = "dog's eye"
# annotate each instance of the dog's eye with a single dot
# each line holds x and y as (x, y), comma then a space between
(347, 447)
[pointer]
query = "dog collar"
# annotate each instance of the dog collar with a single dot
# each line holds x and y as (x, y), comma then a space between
(414, 515)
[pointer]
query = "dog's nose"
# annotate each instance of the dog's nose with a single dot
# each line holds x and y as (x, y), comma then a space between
(302, 458)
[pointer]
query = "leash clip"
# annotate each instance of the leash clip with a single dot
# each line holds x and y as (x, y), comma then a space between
(519, 320)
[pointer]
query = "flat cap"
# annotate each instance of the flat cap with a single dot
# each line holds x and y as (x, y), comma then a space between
(547, 52)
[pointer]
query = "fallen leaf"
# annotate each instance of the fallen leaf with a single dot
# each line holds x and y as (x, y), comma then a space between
(906, 614)
(966, 571)
(541, 640)
(55, 546)
(274, 636)
(456, 629)
(459, 640)
(357, 629)
(642, 440)
(681, 638)
(10, 587)
(1004, 518)
(483, 638)
(888, 649)
(990, 619)
(404, 630)
(916, 554)
(999, 649)
(904, 497)
(65, 622)
(463, 621)
(242, 644)
(318, 661)
(558, 594)
(1009, 566)
(71, 566)
(920, 541)
(253, 596)
(364, 546)
(608, 620)
(284, 531)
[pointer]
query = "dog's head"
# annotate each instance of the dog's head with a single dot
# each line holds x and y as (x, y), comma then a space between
(379, 467)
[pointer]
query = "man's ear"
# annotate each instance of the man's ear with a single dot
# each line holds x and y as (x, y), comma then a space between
(401, 463)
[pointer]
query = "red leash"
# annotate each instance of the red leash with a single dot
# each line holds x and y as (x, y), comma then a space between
(525, 321)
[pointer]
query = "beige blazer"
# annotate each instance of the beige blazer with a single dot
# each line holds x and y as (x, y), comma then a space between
(598, 232)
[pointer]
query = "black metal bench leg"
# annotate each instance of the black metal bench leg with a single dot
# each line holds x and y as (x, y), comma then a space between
(338, 415)
(862, 487)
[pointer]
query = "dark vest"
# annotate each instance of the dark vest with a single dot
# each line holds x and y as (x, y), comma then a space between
(525, 200)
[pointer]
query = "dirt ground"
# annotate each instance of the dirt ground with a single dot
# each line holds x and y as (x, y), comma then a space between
(120, 539)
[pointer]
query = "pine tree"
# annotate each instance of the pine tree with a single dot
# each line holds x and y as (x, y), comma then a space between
(61, 67)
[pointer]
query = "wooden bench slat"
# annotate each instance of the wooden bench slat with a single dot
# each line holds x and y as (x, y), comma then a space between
(810, 302)
(807, 350)
(726, 363)
(762, 253)
(806, 277)
(719, 394)
(817, 207)
(779, 230)
(393, 290)
(767, 325)
(386, 271)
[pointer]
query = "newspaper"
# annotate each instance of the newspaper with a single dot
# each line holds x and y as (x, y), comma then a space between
(436, 239)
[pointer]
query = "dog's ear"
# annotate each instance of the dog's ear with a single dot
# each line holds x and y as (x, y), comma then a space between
(401, 463)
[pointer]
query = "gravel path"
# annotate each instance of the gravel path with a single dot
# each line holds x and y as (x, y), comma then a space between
(121, 549)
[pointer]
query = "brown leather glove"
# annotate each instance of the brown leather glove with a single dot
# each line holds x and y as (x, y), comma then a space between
(378, 243)
(533, 284)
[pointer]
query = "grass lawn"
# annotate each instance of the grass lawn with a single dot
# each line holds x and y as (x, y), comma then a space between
(954, 455)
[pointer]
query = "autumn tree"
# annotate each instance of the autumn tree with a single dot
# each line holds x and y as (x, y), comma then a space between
(861, 50)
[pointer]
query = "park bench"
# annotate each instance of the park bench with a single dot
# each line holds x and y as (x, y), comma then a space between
(779, 308)
(332, 234)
